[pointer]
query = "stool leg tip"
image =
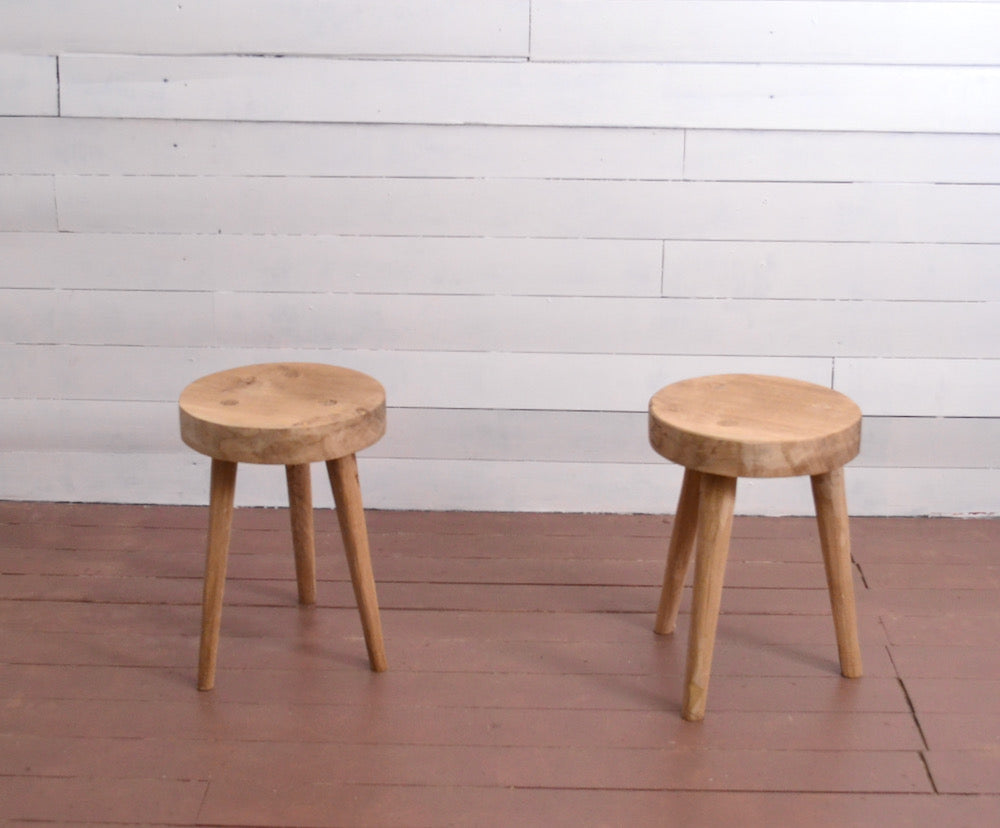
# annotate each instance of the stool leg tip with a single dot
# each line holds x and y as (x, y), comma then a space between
(695, 703)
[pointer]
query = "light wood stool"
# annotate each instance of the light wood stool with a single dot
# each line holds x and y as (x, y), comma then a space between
(291, 414)
(724, 427)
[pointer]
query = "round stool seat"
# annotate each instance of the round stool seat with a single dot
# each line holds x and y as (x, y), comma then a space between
(745, 425)
(283, 413)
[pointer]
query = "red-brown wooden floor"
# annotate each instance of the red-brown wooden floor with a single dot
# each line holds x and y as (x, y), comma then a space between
(525, 684)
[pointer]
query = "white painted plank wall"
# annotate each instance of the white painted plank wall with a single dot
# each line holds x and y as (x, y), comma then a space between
(522, 217)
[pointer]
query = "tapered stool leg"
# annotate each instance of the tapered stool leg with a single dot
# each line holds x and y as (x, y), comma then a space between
(343, 474)
(715, 525)
(835, 539)
(303, 536)
(679, 554)
(220, 523)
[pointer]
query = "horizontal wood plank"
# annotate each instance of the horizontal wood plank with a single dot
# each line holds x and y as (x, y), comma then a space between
(565, 209)
(493, 323)
(174, 627)
(333, 264)
(141, 147)
(600, 325)
(262, 580)
(921, 387)
(713, 96)
(728, 155)
(398, 725)
(765, 32)
(816, 270)
(549, 267)
(601, 768)
(490, 28)
(946, 442)
(638, 808)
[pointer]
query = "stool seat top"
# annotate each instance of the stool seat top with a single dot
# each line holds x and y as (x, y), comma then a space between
(282, 413)
(748, 425)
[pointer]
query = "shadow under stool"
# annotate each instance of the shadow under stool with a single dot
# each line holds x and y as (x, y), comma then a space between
(720, 428)
(289, 414)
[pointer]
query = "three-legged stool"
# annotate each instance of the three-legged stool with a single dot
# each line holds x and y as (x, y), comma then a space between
(724, 427)
(290, 414)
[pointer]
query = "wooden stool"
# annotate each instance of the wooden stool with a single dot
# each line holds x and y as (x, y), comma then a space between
(291, 414)
(724, 427)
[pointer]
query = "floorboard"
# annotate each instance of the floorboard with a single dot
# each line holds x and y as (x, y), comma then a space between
(525, 684)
